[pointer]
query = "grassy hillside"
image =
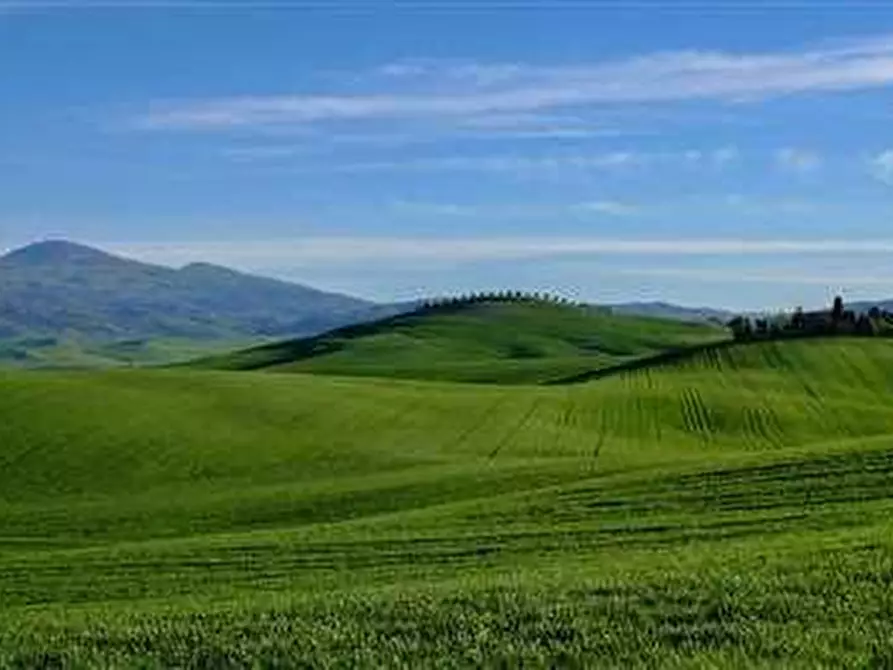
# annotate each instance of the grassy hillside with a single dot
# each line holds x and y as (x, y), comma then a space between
(499, 342)
(730, 508)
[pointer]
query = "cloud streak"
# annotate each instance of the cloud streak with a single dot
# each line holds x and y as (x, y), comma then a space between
(434, 90)
(760, 276)
(554, 162)
(881, 167)
(612, 208)
(325, 250)
(609, 207)
(503, 164)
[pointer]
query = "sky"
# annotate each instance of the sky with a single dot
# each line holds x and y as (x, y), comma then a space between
(735, 155)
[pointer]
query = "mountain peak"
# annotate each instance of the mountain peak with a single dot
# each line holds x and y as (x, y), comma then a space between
(54, 251)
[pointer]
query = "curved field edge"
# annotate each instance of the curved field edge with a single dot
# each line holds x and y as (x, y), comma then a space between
(682, 354)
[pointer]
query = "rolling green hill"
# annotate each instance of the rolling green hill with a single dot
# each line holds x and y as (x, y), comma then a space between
(731, 508)
(499, 342)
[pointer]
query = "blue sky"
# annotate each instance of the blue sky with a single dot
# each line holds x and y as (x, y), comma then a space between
(610, 151)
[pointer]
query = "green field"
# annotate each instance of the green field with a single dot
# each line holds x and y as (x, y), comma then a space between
(530, 341)
(732, 508)
(78, 353)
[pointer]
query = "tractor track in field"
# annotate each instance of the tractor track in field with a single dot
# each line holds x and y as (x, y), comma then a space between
(761, 426)
(517, 428)
(696, 415)
(602, 437)
(477, 425)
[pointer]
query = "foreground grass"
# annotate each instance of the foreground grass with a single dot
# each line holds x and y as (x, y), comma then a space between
(801, 600)
(783, 607)
(732, 509)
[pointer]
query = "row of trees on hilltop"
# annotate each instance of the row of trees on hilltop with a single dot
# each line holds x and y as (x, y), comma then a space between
(836, 321)
(518, 297)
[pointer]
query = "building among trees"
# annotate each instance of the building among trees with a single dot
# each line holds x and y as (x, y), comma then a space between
(836, 321)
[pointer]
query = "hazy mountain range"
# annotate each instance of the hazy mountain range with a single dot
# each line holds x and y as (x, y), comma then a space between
(60, 301)
(52, 288)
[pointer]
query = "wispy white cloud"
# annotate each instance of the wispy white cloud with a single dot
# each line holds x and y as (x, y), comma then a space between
(314, 251)
(760, 276)
(469, 129)
(449, 90)
(766, 206)
(530, 126)
(522, 120)
(798, 160)
(881, 166)
(540, 133)
(516, 210)
(503, 164)
(268, 152)
(609, 207)
(413, 208)
(563, 162)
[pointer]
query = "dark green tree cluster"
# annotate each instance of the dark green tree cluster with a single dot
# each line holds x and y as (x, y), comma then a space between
(836, 321)
(506, 296)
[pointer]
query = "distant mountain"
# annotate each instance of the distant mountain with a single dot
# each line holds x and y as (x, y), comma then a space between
(58, 289)
(663, 310)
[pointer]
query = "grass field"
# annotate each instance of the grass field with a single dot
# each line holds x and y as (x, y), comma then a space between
(728, 509)
(492, 342)
(77, 353)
